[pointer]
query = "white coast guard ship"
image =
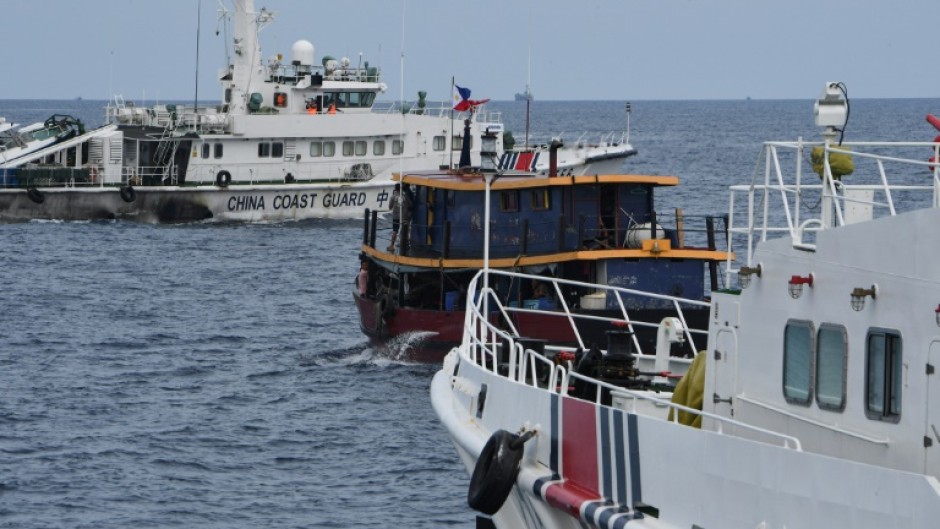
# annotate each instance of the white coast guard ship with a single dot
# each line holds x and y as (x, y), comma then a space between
(813, 403)
(292, 139)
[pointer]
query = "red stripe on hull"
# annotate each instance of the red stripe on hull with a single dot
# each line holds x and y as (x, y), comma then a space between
(568, 497)
(579, 444)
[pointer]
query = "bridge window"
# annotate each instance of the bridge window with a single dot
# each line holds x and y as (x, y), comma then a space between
(831, 354)
(540, 200)
(378, 147)
(439, 143)
(883, 376)
(509, 201)
(457, 142)
(798, 362)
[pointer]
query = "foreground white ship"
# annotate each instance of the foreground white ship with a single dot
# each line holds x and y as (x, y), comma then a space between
(292, 139)
(813, 403)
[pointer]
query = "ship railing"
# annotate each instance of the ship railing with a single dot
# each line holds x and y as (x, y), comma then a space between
(492, 341)
(270, 173)
(437, 109)
(484, 300)
(788, 196)
(582, 140)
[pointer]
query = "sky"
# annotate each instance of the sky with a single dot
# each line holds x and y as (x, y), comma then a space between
(565, 49)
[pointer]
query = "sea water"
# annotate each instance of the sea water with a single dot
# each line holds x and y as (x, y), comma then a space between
(214, 375)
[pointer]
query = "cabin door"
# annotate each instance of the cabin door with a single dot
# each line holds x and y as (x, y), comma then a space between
(932, 432)
(724, 360)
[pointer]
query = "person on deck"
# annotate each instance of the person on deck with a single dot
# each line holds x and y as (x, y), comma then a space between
(401, 216)
(363, 278)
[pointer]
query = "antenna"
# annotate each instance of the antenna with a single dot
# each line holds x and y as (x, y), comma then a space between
(198, 29)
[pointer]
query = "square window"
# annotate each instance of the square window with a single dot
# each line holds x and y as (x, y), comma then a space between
(438, 143)
(361, 147)
(378, 147)
(509, 201)
(831, 354)
(329, 148)
(205, 150)
(316, 149)
(218, 150)
(798, 362)
(264, 150)
(883, 376)
(277, 149)
(348, 148)
(540, 199)
(398, 146)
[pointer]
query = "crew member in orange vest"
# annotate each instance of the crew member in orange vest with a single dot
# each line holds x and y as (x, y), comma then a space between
(332, 108)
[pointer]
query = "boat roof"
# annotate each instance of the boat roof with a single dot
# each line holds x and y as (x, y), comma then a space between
(474, 181)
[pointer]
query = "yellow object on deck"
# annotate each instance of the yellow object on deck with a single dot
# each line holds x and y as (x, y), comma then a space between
(841, 164)
(690, 392)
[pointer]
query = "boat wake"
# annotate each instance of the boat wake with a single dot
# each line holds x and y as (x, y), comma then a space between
(405, 347)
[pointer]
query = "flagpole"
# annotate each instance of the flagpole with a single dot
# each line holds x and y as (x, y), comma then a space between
(453, 82)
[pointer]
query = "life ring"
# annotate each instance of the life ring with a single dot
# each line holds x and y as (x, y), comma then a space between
(223, 179)
(495, 472)
(35, 195)
(128, 194)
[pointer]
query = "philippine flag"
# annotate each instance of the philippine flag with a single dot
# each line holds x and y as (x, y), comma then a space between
(461, 98)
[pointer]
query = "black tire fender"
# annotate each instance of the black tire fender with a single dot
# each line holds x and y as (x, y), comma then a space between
(128, 194)
(223, 178)
(35, 195)
(496, 470)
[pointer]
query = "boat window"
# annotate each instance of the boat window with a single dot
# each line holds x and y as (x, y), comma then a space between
(378, 147)
(329, 148)
(348, 148)
(316, 149)
(218, 150)
(398, 146)
(457, 142)
(264, 150)
(280, 99)
(228, 95)
(540, 199)
(361, 147)
(367, 98)
(509, 200)
(205, 150)
(883, 377)
(277, 149)
(439, 144)
(798, 362)
(831, 354)
(354, 100)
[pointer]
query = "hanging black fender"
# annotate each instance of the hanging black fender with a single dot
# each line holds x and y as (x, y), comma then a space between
(223, 179)
(128, 194)
(35, 195)
(495, 472)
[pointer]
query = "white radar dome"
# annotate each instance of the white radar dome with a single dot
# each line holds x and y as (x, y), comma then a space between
(302, 53)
